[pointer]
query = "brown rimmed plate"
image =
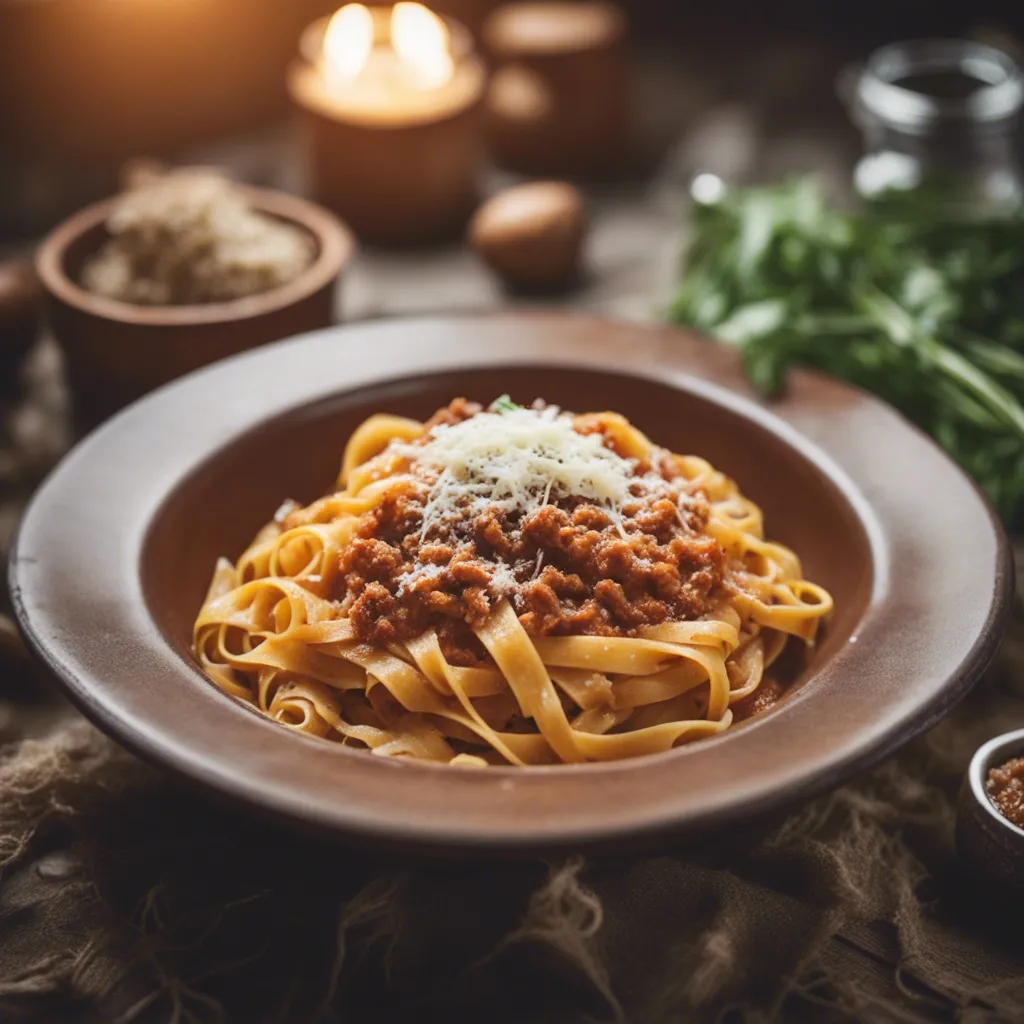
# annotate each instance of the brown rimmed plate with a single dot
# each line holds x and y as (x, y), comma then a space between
(115, 552)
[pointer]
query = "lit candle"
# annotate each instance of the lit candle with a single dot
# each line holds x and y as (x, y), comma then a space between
(392, 104)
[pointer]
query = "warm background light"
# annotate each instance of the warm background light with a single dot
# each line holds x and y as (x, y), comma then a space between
(348, 43)
(421, 39)
(418, 55)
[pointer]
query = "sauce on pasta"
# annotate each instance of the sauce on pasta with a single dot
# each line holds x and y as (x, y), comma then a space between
(510, 586)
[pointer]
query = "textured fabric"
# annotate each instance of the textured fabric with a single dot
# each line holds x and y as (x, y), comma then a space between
(124, 897)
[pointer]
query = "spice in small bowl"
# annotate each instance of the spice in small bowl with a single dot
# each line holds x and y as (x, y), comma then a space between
(1005, 788)
(181, 270)
(990, 816)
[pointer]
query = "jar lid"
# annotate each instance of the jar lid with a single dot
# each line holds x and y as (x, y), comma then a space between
(992, 85)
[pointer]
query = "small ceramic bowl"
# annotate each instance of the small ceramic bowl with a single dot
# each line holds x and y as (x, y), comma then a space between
(116, 352)
(990, 845)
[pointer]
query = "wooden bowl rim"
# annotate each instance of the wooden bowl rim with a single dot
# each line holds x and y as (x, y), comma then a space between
(336, 246)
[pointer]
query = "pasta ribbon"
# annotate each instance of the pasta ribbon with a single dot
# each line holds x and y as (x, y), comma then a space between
(274, 633)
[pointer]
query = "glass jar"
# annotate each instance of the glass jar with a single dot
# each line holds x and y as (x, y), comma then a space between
(938, 112)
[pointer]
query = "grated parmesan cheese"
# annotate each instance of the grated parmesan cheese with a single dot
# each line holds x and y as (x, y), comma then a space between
(517, 461)
(408, 580)
(503, 579)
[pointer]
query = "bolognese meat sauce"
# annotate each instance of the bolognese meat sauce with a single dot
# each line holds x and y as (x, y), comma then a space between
(568, 567)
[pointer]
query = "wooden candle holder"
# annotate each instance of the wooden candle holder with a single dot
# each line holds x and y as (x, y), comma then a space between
(559, 102)
(403, 177)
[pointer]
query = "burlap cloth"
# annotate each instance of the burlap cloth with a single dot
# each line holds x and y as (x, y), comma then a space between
(125, 898)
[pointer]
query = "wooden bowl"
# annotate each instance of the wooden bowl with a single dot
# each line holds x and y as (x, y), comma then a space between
(115, 553)
(116, 352)
(559, 103)
(991, 846)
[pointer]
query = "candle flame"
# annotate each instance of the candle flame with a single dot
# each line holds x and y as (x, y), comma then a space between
(348, 43)
(422, 41)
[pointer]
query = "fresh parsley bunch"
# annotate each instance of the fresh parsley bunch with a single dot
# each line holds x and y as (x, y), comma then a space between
(922, 307)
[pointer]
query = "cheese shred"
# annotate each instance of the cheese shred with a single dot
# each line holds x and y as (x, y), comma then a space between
(518, 461)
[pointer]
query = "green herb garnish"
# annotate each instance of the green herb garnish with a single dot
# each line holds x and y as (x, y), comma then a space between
(504, 404)
(920, 307)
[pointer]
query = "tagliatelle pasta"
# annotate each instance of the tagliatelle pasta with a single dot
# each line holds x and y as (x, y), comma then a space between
(510, 586)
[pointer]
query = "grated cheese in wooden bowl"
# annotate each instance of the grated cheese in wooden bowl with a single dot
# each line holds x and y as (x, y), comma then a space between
(189, 237)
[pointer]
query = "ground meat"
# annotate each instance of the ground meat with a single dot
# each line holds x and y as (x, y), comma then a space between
(608, 583)
(567, 568)
(456, 412)
(1005, 788)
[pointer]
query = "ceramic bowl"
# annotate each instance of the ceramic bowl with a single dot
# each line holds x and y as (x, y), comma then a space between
(990, 845)
(116, 551)
(115, 352)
